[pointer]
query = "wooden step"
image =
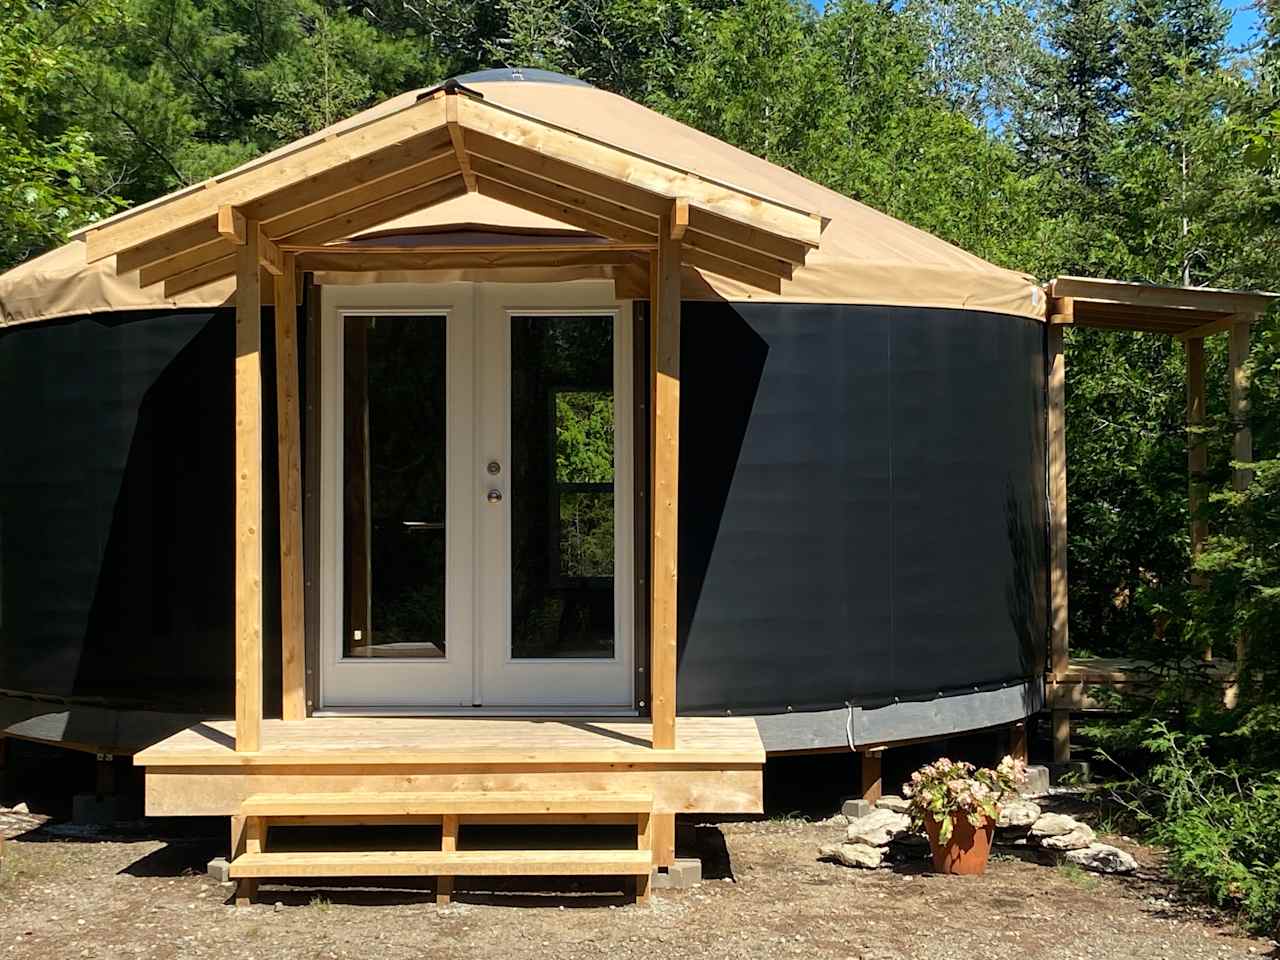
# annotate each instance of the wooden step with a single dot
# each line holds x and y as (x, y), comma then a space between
(430, 804)
(436, 863)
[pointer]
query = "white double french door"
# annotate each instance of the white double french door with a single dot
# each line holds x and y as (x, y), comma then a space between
(476, 498)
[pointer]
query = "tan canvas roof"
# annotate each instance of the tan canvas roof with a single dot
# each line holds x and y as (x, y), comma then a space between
(864, 256)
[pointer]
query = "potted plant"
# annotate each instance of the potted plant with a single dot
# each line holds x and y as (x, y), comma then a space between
(958, 805)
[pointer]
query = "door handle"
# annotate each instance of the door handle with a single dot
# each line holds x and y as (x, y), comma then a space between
(495, 496)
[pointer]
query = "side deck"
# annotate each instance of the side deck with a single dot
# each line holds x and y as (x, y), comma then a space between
(715, 767)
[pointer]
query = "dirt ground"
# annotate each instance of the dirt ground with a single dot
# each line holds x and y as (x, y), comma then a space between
(70, 893)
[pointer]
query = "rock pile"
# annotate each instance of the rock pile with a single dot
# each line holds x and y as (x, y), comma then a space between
(885, 834)
(868, 838)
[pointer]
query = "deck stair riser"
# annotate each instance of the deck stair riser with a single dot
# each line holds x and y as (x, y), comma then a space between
(254, 861)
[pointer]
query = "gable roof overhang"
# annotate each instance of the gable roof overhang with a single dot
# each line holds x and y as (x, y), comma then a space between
(1181, 312)
(311, 200)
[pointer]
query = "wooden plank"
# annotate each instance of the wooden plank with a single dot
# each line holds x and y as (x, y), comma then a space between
(731, 202)
(231, 225)
(665, 406)
(424, 258)
(1150, 295)
(644, 841)
(1062, 310)
(563, 211)
(289, 452)
(167, 245)
(199, 276)
(1208, 329)
(722, 788)
(458, 140)
(735, 271)
(299, 171)
(1197, 462)
(780, 248)
(595, 207)
(378, 212)
(1057, 440)
(248, 510)
(434, 863)
(412, 177)
(1241, 453)
(191, 259)
(270, 256)
(662, 827)
(452, 802)
(715, 246)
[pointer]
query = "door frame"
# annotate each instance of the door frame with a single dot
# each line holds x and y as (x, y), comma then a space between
(462, 303)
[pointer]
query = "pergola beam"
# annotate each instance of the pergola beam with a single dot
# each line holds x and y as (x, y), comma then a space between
(1149, 295)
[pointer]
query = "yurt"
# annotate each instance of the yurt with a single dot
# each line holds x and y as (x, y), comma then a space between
(513, 442)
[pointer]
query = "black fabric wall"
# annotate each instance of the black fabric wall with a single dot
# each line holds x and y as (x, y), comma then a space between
(862, 504)
(117, 511)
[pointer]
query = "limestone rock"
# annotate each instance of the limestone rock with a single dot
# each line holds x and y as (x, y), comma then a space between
(853, 855)
(20, 808)
(878, 827)
(1103, 858)
(1018, 815)
(896, 804)
(1053, 824)
(1078, 839)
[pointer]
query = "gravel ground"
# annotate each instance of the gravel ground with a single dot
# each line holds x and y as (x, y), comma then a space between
(73, 894)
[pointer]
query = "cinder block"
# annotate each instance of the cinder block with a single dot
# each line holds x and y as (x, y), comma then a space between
(219, 869)
(681, 875)
(90, 810)
(1037, 781)
(855, 807)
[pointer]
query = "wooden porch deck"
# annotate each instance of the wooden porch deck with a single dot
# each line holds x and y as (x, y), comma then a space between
(715, 766)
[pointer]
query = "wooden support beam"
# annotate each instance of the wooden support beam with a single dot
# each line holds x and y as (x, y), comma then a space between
(724, 250)
(664, 310)
(1018, 740)
(1197, 463)
(270, 257)
(1056, 430)
(871, 784)
(662, 828)
(734, 271)
(456, 137)
(1061, 720)
(1208, 329)
(192, 259)
(679, 218)
(231, 225)
(1149, 295)
(172, 244)
(293, 670)
(448, 844)
(566, 212)
(248, 511)
(378, 212)
(1062, 310)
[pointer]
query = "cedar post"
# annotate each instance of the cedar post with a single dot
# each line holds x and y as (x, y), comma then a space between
(1197, 460)
(665, 407)
(1241, 451)
(289, 445)
(1057, 437)
(871, 785)
(248, 588)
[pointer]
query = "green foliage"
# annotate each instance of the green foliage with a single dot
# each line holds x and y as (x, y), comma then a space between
(1219, 819)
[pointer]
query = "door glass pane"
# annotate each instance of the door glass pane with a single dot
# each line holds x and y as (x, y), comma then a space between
(394, 486)
(562, 528)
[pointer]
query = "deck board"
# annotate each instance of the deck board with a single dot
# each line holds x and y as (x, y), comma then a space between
(451, 741)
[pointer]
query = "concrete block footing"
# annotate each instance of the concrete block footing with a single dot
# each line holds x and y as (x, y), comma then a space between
(681, 875)
(219, 869)
(1037, 781)
(855, 807)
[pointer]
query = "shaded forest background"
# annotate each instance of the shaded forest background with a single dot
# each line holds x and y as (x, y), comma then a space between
(1119, 138)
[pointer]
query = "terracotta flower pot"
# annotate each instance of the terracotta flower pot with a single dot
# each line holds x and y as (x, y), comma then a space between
(967, 850)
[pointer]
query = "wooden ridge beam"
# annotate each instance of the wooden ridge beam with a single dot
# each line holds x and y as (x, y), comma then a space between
(289, 173)
(456, 137)
(584, 153)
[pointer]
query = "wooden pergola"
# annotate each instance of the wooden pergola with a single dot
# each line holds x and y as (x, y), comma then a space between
(293, 211)
(1188, 314)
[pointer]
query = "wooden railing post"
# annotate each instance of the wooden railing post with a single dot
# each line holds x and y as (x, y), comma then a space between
(248, 510)
(289, 446)
(665, 407)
